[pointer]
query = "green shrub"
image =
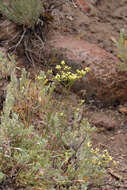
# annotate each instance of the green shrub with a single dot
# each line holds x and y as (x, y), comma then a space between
(122, 51)
(22, 12)
(44, 150)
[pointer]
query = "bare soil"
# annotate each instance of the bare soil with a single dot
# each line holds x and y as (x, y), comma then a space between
(99, 22)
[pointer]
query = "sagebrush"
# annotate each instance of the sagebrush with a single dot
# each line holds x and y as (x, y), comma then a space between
(42, 149)
(22, 12)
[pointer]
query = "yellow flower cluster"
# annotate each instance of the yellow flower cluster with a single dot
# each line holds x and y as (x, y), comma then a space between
(65, 75)
(58, 67)
(49, 72)
(106, 155)
(63, 62)
(57, 77)
(104, 158)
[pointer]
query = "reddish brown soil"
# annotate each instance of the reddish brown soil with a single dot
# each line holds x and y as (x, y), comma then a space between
(99, 24)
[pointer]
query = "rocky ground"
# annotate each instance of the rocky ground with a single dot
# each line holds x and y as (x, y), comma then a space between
(84, 33)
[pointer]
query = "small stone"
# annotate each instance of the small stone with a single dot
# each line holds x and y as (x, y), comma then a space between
(123, 110)
(104, 121)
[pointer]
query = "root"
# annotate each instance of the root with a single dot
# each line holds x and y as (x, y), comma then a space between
(19, 42)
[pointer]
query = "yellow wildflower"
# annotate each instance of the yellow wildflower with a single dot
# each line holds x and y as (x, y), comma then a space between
(103, 155)
(89, 144)
(99, 163)
(82, 102)
(78, 71)
(58, 67)
(61, 114)
(49, 71)
(57, 77)
(87, 69)
(63, 62)
(96, 150)
(72, 77)
(109, 158)
(67, 67)
(82, 72)
(40, 78)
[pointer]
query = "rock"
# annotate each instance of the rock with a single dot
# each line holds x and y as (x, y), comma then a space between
(123, 109)
(105, 81)
(103, 121)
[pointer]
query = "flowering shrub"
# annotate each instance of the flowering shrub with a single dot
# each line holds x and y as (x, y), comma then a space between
(43, 150)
